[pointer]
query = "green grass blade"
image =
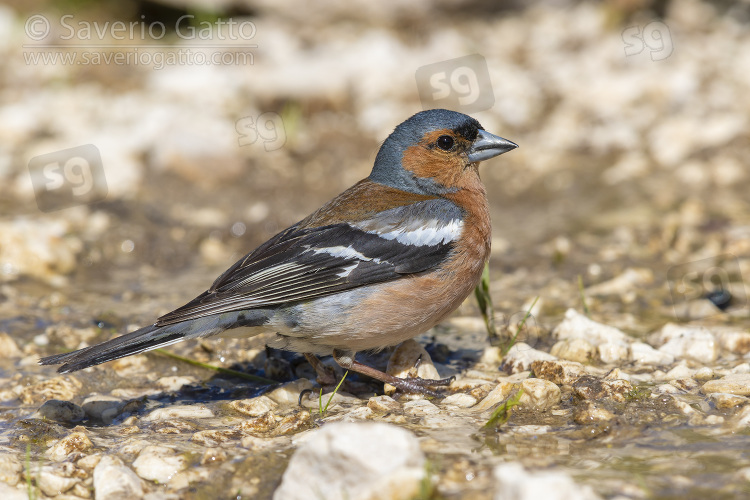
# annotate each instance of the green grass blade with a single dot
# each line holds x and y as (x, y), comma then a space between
(502, 413)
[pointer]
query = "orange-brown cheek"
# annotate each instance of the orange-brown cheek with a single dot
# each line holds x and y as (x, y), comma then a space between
(427, 163)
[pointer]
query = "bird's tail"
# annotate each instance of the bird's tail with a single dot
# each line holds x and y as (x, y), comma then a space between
(145, 339)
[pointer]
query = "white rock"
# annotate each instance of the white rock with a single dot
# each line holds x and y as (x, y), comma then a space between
(520, 357)
(642, 353)
(61, 411)
(158, 463)
(115, 481)
(288, 394)
(578, 350)
(103, 408)
(539, 394)
(738, 384)
(10, 469)
(460, 399)
(354, 461)
(495, 396)
(254, 407)
(737, 342)
(513, 482)
(578, 326)
(173, 412)
(52, 483)
(8, 346)
(612, 352)
(420, 408)
(8, 492)
(691, 342)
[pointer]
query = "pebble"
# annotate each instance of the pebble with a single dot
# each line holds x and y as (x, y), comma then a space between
(8, 492)
(592, 388)
(460, 399)
(75, 441)
(405, 358)
(288, 394)
(103, 408)
(158, 463)
(354, 461)
(612, 352)
(738, 384)
(513, 482)
(177, 411)
(340, 397)
(8, 346)
(61, 411)
(10, 469)
(736, 342)
(420, 408)
(521, 356)
(383, 404)
(587, 412)
(61, 388)
(539, 394)
(687, 342)
(578, 350)
(53, 481)
(558, 372)
(725, 401)
(254, 407)
(578, 326)
(115, 481)
(495, 397)
(175, 383)
(644, 354)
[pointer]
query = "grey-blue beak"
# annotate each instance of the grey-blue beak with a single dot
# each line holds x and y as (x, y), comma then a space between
(488, 146)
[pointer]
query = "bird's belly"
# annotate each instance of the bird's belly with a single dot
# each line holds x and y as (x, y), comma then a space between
(370, 317)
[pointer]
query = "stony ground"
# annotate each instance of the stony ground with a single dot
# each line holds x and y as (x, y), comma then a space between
(625, 211)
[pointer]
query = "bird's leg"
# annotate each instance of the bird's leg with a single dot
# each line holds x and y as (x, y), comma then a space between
(326, 376)
(346, 360)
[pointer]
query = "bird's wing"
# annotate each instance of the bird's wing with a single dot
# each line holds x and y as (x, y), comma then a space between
(305, 262)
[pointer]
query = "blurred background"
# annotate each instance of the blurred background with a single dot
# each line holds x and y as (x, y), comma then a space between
(147, 145)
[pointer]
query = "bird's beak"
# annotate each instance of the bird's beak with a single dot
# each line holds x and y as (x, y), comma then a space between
(488, 146)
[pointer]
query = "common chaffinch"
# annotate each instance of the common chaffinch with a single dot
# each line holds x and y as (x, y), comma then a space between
(384, 261)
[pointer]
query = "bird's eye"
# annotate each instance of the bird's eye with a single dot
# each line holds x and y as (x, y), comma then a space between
(445, 142)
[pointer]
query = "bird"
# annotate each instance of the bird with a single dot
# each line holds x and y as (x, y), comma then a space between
(381, 263)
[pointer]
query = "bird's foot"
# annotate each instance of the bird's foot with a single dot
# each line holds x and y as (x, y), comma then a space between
(326, 374)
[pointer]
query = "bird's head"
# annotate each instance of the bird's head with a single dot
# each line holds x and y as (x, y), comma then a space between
(436, 152)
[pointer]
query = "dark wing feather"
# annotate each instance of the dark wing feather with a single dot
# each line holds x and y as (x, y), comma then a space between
(302, 263)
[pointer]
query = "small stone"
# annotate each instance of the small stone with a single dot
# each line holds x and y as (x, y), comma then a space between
(291, 424)
(539, 394)
(737, 342)
(515, 483)
(254, 407)
(9, 492)
(10, 469)
(558, 372)
(666, 389)
(405, 358)
(617, 374)
(741, 368)
(103, 408)
(460, 399)
(288, 394)
(612, 352)
(495, 397)
(89, 462)
(724, 401)
(62, 388)
(338, 398)
(354, 461)
(174, 412)
(158, 463)
(75, 441)
(578, 350)
(175, 383)
(642, 353)
(577, 326)
(592, 388)
(680, 370)
(130, 366)
(684, 384)
(383, 404)
(704, 374)
(215, 437)
(52, 483)
(738, 384)
(521, 356)
(589, 413)
(687, 342)
(61, 411)
(259, 425)
(420, 408)
(115, 481)
(8, 346)
(492, 355)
